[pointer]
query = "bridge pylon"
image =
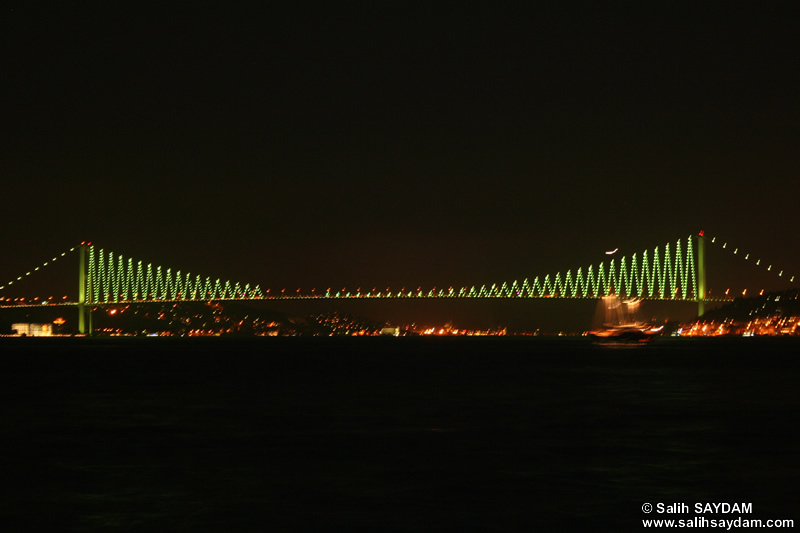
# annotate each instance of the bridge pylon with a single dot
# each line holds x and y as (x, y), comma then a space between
(84, 291)
(701, 274)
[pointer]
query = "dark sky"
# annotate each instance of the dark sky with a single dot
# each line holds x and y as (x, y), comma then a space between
(364, 145)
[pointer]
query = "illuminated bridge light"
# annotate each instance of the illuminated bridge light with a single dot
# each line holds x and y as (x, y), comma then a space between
(667, 272)
(115, 279)
(641, 276)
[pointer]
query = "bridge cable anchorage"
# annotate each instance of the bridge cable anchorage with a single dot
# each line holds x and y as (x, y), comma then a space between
(757, 261)
(37, 268)
(113, 278)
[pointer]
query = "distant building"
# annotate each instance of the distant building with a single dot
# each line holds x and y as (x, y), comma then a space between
(32, 330)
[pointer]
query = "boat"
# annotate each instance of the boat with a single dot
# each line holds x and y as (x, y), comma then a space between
(621, 326)
(625, 334)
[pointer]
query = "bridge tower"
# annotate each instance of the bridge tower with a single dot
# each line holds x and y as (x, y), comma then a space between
(84, 291)
(701, 274)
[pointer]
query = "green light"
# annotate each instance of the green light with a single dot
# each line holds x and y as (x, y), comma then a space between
(111, 280)
(666, 273)
(674, 277)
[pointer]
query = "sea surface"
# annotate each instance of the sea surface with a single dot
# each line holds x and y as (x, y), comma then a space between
(391, 434)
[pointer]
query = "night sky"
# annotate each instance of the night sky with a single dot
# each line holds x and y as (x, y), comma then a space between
(363, 145)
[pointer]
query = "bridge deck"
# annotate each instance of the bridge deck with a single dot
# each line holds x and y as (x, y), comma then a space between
(350, 297)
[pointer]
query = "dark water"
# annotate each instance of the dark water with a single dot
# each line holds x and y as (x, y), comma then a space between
(391, 434)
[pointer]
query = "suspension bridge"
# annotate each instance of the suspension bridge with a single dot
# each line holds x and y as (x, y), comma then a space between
(675, 271)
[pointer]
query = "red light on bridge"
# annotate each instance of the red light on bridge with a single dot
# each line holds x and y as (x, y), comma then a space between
(701, 233)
